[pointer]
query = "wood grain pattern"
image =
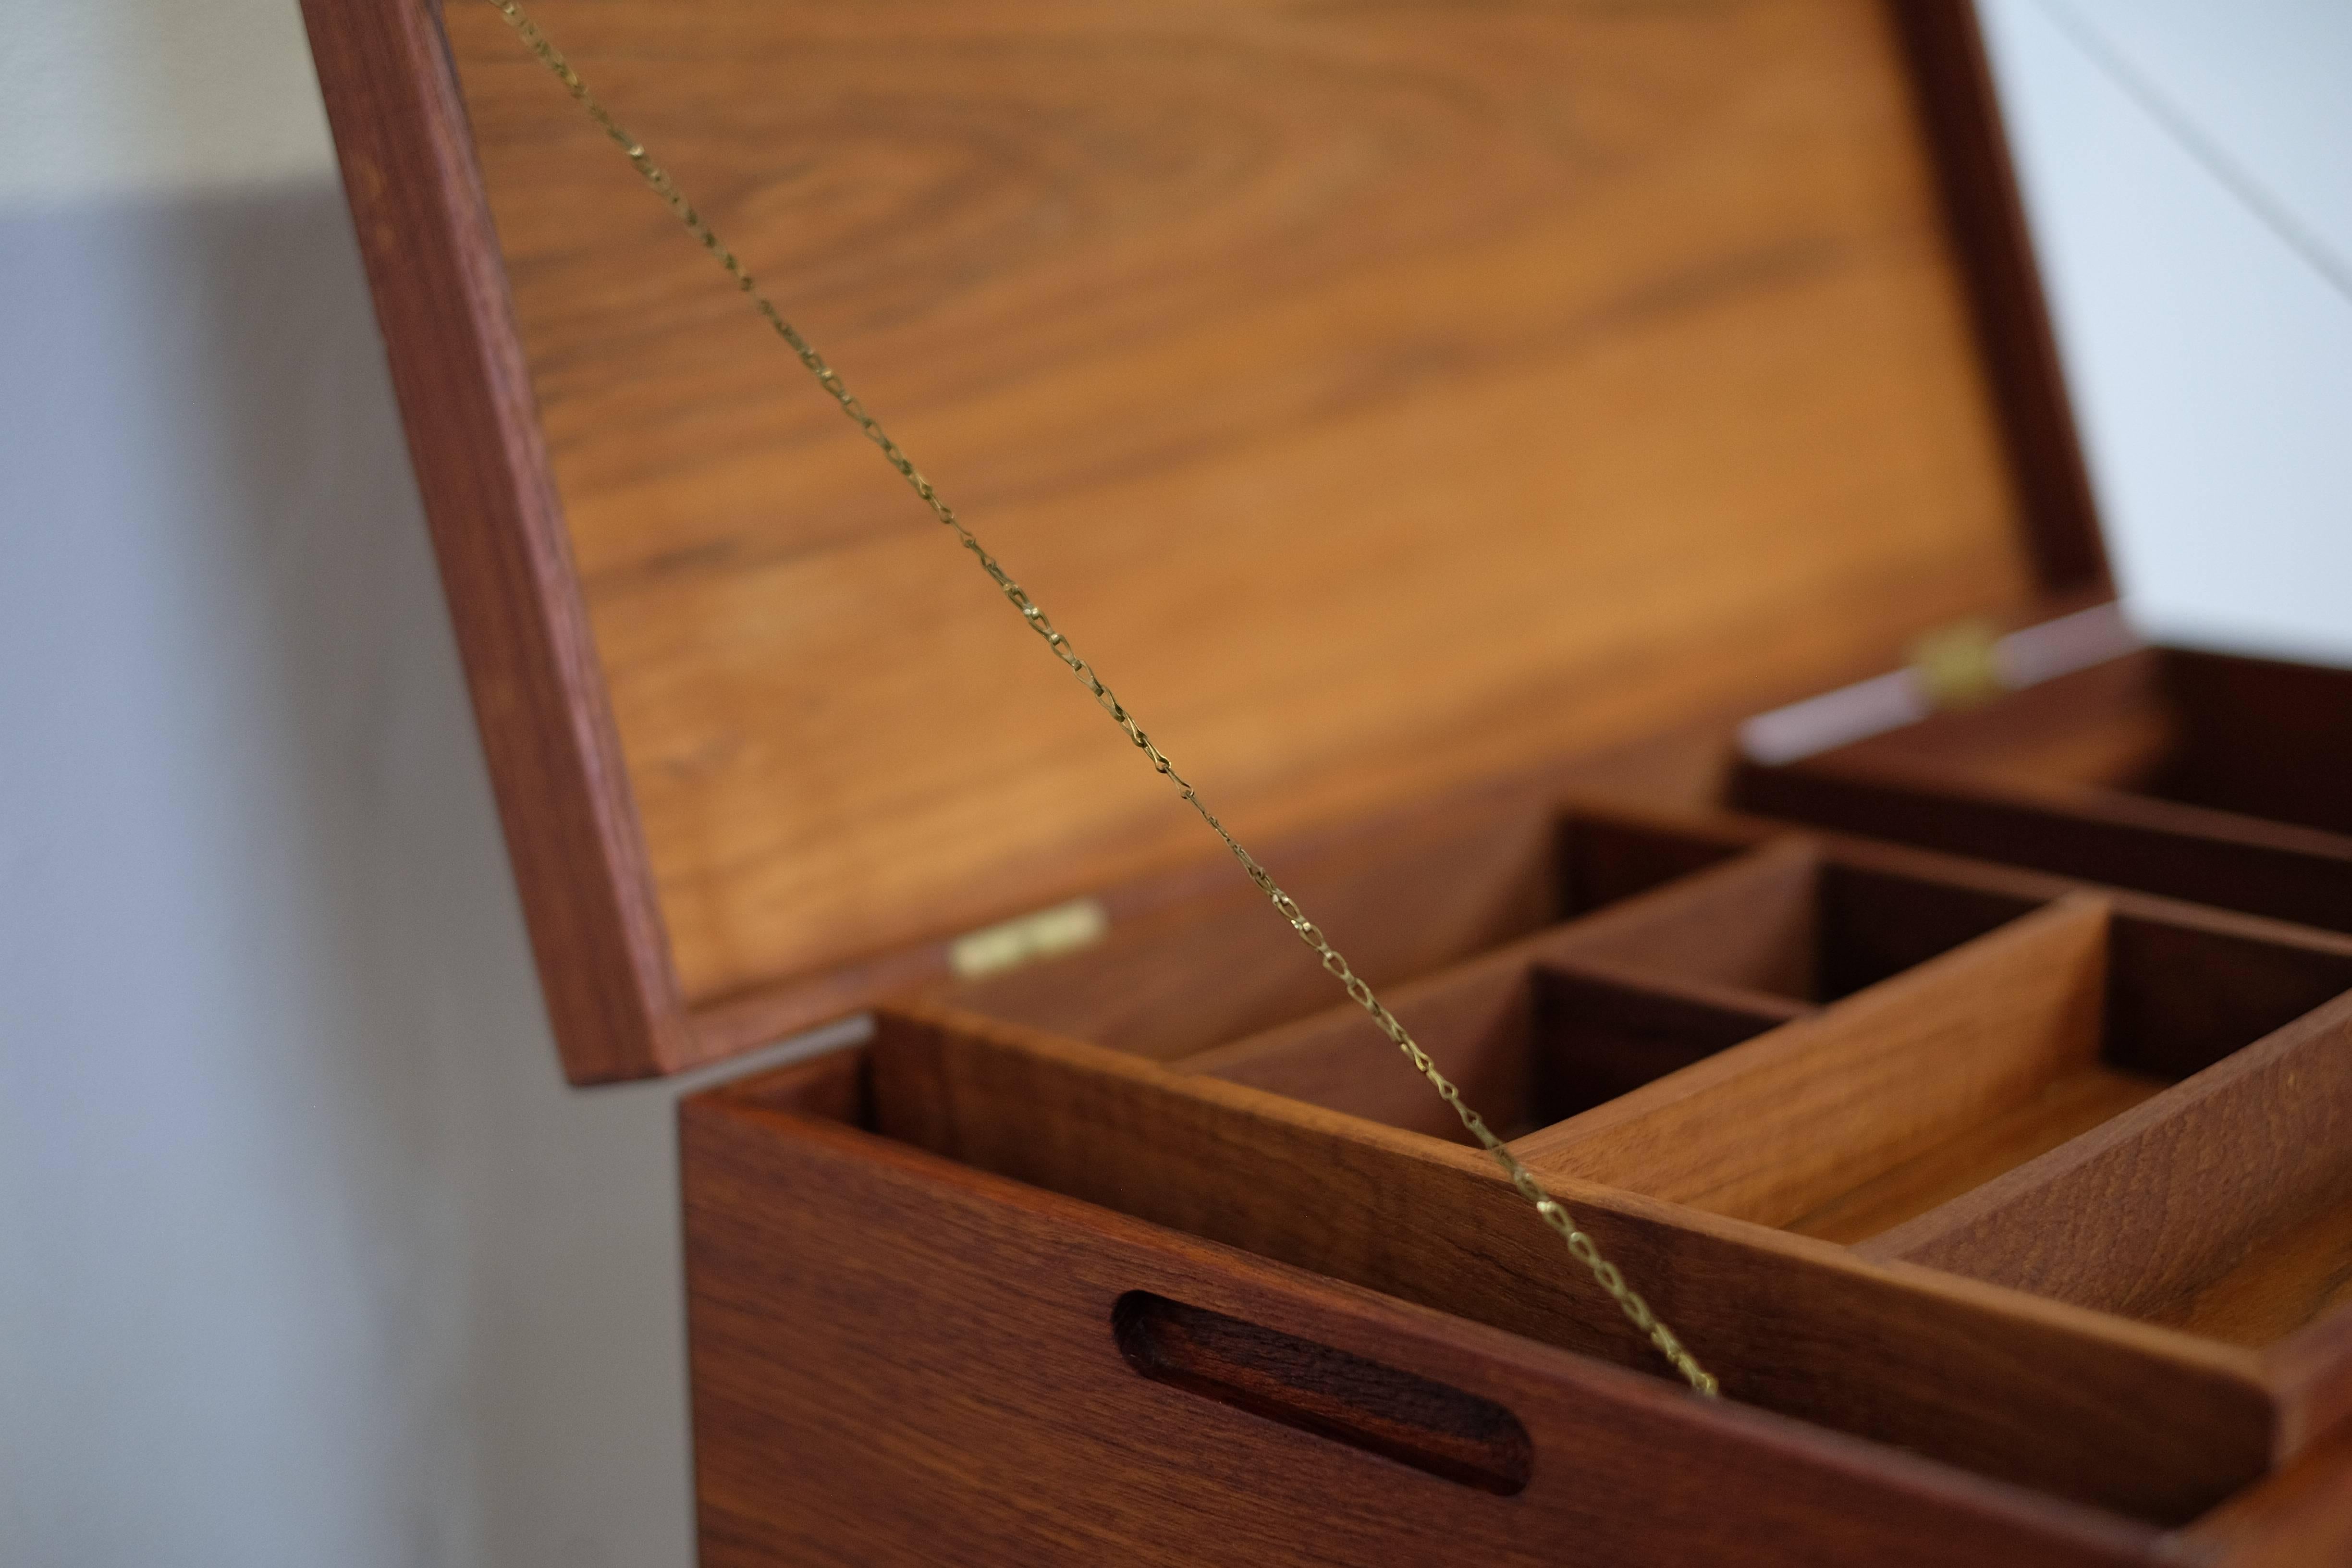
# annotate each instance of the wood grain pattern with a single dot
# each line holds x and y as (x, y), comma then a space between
(2216, 1206)
(1400, 400)
(2072, 1103)
(1829, 1103)
(2146, 1421)
(1408, 892)
(1785, 920)
(898, 1359)
(1529, 1037)
(1420, 891)
(1276, 347)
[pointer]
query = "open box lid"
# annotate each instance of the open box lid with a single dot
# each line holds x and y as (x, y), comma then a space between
(1380, 397)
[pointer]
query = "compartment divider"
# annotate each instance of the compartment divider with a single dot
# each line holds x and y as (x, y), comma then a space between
(1530, 1038)
(2147, 1422)
(1608, 1032)
(1774, 1129)
(2230, 861)
(2222, 1206)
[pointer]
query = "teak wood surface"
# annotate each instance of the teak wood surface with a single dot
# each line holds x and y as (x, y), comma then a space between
(1387, 397)
(1425, 413)
(1301, 1399)
(897, 1358)
(2064, 1027)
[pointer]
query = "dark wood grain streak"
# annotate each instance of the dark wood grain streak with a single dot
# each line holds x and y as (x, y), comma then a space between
(538, 691)
(1984, 205)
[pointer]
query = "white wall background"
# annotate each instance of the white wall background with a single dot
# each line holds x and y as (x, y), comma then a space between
(306, 1255)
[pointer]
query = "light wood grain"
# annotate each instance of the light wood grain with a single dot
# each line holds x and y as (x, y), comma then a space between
(2217, 1207)
(1773, 1129)
(2072, 1103)
(1382, 397)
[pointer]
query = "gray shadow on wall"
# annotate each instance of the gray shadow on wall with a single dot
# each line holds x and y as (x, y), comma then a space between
(311, 1255)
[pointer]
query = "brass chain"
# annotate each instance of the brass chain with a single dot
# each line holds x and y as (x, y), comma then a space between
(1554, 1214)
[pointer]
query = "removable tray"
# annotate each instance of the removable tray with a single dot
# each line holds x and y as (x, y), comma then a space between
(2045, 1182)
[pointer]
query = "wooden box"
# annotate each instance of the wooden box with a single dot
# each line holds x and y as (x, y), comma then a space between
(1444, 425)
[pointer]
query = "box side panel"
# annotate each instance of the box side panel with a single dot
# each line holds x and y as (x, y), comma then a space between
(897, 1359)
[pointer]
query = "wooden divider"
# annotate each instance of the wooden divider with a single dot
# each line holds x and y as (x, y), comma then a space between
(1786, 919)
(2193, 775)
(1528, 1035)
(1885, 1135)
(2222, 1206)
(2144, 1421)
(1807, 1124)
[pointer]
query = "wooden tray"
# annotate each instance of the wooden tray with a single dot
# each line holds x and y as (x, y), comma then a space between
(2044, 1189)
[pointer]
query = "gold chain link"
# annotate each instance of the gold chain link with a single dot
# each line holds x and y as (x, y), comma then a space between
(1554, 1214)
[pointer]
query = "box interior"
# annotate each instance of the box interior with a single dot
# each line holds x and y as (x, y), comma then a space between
(2130, 1118)
(2202, 777)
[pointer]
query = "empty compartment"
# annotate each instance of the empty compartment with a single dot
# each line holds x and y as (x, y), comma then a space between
(1787, 921)
(2222, 1208)
(2254, 736)
(1402, 900)
(1527, 1041)
(2198, 775)
(1910, 1095)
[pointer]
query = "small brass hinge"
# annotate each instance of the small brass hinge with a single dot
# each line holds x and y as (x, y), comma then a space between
(1041, 933)
(1958, 665)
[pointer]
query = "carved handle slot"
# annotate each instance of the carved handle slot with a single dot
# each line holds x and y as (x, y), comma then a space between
(1331, 1393)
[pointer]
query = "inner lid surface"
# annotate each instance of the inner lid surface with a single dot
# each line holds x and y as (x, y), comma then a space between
(1378, 394)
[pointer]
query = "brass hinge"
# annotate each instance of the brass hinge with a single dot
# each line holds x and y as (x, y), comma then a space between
(1041, 933)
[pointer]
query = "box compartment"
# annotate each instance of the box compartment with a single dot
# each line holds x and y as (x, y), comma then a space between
(964, 1349)
(2196, 775)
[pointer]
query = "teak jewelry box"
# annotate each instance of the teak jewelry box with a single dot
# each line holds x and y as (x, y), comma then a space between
(1500, 451)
